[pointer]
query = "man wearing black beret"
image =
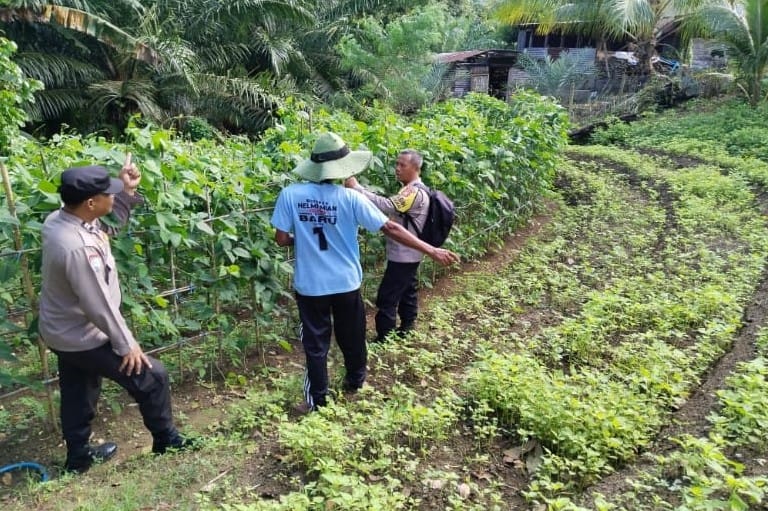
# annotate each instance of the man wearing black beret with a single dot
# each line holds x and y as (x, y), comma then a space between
(80, 317)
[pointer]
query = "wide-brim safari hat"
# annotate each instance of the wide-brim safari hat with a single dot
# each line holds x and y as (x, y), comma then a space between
(332, 159)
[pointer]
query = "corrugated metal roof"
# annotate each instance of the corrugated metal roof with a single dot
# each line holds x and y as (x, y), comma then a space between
(456, 56)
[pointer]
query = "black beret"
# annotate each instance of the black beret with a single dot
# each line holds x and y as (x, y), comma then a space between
(81, 183)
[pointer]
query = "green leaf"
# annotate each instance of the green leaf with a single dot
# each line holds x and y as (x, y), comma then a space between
(166, 219)
(241, 252)
(32, 331)
(9, 268)
(205, 227)
(5, 352)
(47, 187)
(7, 218)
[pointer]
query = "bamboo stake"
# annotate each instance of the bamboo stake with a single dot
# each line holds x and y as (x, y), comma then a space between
(215, 292)
(252, 290)
(29, 290)
(216, 302)
(573, 94)
(256, 325)
(175, 296)
(154, 351)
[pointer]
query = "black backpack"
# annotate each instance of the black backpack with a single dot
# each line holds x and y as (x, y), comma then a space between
(440, 216)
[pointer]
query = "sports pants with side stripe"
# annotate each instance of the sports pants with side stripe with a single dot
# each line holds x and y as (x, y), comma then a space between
(344, 315)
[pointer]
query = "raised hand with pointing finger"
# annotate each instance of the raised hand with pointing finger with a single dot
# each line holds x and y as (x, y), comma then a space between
(130, 175)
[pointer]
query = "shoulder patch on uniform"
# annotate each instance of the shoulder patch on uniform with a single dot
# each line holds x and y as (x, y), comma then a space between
(404, 198)
(95, 260)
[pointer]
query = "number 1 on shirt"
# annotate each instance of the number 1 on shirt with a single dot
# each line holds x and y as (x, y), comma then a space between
(321, 237)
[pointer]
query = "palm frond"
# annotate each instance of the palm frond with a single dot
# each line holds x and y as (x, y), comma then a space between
(345, 9)
(108, 9)
(57, 71)
(121, 95)
(225, 111)
(636, 17)
(176, 58)
(223, 56)
(242, 103)
(373, 82)
(323, 87)
(83, 22)
(526, 12)
(271, 12)
(197, 14)
(556, 77)
(245, 91)
(53, 104)
(717, 20)
(434, 82)
(726, 25)
(278, 51)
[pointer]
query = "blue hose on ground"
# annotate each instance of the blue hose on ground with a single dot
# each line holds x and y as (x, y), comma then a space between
(27, 465)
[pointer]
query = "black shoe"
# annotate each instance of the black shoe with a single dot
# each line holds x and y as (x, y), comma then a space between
(175, 443)
(382, 338)
(80, 459)
(351, 388)
(303, 408)
(405, 330)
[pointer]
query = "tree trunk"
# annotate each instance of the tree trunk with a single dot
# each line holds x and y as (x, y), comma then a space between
(645, 51)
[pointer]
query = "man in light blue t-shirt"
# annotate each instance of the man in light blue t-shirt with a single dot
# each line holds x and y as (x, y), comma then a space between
(321, 219)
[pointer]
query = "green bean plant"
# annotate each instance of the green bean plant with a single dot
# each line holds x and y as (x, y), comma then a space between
(16, 91)
(198, 256)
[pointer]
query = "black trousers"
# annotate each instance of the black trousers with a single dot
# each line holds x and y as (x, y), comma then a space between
(344, 313)
(397, 295)
(80, 376)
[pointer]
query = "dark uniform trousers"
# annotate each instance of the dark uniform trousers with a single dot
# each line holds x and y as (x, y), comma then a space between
(80, 375)
(397, 295)
(345, 314)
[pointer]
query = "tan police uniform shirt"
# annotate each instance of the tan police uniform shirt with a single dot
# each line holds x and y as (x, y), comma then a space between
(80, 297)
(410, 199)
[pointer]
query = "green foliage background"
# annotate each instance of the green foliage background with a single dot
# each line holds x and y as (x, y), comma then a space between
(205, 227)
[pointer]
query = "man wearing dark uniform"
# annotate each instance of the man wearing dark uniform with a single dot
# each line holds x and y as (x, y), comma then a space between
(398, 294)
(80, 318)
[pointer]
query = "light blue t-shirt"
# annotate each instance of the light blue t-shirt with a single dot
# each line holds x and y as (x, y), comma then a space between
(324, 220)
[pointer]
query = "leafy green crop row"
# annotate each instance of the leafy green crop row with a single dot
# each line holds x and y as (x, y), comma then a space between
(581, 348)
(640, 304)
(201, 249)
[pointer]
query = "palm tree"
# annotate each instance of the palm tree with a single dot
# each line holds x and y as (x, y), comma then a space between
(91, 65)
(85, 61)
(317, 67)
(228, 62)
(742, 25)
(556, 78)
(207, 50)
(643, 22)
(90, 23)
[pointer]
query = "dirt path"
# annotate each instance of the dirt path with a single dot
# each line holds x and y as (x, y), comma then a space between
(497, 257)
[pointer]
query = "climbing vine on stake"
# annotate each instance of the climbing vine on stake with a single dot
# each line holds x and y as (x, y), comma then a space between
(17, 90)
